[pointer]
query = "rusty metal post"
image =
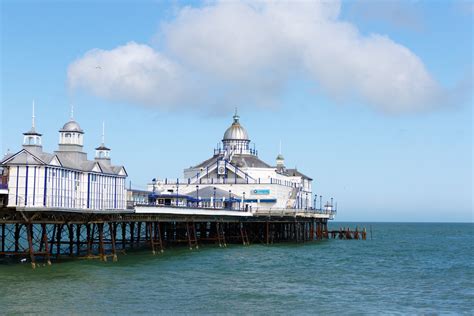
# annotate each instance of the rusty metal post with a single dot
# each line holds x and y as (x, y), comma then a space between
(58, 240)
(71, 239)
(29, 230)
(101, 242)
(3, 237)
(90, 238)
(112, 240)
(45, 241)
(267, 234)
(152, 238)
(17, 237)
(132, 233)
(160, 241)
(139, 232)
(78, 239)
(124, 234)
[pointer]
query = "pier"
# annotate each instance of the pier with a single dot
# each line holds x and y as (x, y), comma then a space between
(60, 204)
(41, 236)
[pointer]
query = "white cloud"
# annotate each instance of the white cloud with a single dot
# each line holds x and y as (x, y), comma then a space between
(229, 53)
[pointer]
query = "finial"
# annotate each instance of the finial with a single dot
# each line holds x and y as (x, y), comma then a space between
(72, 112)
(103, 132)
(280, 148)
(33, 117)
(236, 116)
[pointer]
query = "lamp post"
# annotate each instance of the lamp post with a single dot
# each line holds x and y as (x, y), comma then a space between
(215, 197)
(315, 200)
(153, 200)
(243, 201)
(230, 199)
(306, 206)
(321, 202)
(177, 194)
(197, 195)
(153, 181)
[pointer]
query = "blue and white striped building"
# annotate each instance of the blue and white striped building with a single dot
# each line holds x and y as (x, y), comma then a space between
(64, 179)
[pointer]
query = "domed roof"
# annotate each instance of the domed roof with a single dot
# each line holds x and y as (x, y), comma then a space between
(71, 126)
(280, 157)
(236, 131)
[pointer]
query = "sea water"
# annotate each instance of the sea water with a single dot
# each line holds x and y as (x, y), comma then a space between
(403, 269)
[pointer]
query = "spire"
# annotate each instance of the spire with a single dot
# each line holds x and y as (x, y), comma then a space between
(32, 138)
(280, 160)
(236, 116)
(72, 112)
(33, 117)
(102, 152)
(103, 132)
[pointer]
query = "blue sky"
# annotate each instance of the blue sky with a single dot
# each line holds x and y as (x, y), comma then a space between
(327, 93)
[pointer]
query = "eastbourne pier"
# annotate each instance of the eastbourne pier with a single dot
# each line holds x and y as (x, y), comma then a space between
(61, 204)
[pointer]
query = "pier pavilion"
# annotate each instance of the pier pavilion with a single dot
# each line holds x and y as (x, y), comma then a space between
(236, 175)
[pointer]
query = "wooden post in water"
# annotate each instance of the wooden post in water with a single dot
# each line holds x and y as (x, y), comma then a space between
(112, 230)
(59, 233)
(71, 239)
(17, 237)
(78, 239)
(101, 243)
(267, 234)
(29, 230)
(45, 241)
(152, 237)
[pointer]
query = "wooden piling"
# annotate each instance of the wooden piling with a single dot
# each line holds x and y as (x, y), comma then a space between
(112, 230)
(45, 242)
(29, 230)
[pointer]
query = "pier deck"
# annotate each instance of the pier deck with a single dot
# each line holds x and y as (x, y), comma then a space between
(46, 234)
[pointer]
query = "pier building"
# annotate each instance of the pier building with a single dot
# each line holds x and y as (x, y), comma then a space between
(64, 179)
(234, 176)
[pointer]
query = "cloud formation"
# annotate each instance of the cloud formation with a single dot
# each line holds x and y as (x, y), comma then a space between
(239, 52)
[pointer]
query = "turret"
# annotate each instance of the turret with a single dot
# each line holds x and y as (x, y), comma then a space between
(102, 153)
(280, 161)
(32, 139)
(71, 140)
(236, 139)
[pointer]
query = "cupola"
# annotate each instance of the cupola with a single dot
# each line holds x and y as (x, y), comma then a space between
(102, 153)
(236, 139)
(31, 138)
(71, 136)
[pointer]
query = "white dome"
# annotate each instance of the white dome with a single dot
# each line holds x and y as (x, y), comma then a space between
(72, 126)
(236, 131)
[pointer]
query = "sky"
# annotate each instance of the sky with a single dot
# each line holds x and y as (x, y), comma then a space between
(372, 99)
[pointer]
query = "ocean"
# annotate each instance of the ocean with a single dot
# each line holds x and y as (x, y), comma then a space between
(406, 268)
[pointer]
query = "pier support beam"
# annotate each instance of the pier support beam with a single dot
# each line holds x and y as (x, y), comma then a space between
(46, 246)
(29, 229)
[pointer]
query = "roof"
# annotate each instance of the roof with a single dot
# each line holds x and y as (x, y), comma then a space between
(32, 131)
(236, 131)
(26, 157)
(102, 147)
(240, 160)
(72, 126)
(296, 173)
(208, 192)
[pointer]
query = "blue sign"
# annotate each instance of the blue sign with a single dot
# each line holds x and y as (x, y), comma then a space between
(261, 192)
